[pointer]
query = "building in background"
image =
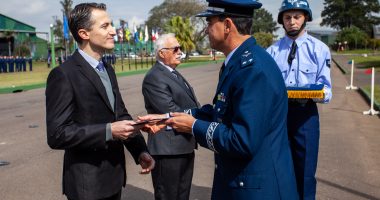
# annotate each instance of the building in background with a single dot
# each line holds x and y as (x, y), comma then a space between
(20, 39)
(326, 36)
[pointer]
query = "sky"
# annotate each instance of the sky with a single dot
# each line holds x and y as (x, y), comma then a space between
(40, 13)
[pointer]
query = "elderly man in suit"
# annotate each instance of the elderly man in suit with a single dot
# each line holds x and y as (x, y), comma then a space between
(86, 116)
(246, 125)
(165, 90)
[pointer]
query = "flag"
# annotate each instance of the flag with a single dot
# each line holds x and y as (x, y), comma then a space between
(156, 36)
(127, 34)
(120, 34)
(66, 34)
(141, 36)
(146, 34)
(135, 34)
(153, 35)
(368, 71)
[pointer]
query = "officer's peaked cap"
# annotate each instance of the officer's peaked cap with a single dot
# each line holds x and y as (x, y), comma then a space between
(238, 8)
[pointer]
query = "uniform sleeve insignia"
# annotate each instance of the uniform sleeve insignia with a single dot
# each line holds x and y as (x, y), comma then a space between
(188, 111)
(328, 63)
(210, 136)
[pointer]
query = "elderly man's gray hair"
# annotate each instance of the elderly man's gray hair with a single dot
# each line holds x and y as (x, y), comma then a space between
(161, 41)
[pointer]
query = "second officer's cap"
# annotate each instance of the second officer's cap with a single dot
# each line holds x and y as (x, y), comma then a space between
(238, 8)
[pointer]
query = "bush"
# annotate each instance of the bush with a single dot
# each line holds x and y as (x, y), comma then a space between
(264, 39)
(355, 37)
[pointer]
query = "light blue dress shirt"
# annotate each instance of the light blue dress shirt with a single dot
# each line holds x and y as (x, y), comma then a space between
(311, 64)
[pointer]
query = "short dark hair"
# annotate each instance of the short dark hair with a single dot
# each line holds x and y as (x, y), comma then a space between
(80, 18)
(243, 24)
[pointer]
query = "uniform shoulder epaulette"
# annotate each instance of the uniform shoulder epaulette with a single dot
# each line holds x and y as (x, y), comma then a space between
(247, 58)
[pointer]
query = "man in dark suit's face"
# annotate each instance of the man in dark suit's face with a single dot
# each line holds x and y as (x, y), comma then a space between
(100, 36)
(171, 53)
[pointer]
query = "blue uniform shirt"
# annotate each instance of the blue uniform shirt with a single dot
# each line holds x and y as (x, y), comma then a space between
(311, 64)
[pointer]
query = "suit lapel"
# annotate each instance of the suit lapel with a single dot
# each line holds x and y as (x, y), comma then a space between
(167, 73)
(93, 77)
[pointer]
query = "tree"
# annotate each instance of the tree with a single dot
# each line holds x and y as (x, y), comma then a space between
(263, 39)
(340, 14)
(355, 37)
(263, 21)
(183, 31)
(58, 30)
(161, 14)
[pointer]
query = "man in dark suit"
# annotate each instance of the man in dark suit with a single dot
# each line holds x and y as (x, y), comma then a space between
(246, 125)
(86, 116)
(165, 90)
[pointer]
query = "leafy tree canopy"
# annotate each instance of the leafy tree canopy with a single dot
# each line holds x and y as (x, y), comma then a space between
(346, 13)
(263, 21)
(183, 31)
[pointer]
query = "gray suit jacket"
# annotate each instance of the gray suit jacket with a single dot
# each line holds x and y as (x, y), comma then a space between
(164, 93)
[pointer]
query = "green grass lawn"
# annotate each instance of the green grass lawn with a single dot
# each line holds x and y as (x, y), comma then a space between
(10, 82)
(367, 89)
(358, 51)
(366, 62)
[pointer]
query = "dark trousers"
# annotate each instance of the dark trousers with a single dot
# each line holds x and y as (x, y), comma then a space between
(303, 134)
(172, 176)
(116, 196)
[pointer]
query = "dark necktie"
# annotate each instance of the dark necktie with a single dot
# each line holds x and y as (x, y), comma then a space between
(292, 53)
(179, 77)
(100, 67)
(221, 70)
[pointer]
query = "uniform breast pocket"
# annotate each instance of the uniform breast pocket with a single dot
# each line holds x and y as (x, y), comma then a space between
(307, 73)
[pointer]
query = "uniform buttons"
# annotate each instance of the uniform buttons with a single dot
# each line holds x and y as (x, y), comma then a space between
(291, 82)
(216, 166)
(292, 70)
(218, 109)
(307, 70)
(241, 184)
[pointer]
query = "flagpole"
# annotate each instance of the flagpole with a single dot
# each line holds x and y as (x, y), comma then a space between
(372, 111)
(351, 86)
(52, 48)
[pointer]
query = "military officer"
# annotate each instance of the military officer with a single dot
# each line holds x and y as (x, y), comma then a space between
(246, 125)
(2, 64)
(303, 60)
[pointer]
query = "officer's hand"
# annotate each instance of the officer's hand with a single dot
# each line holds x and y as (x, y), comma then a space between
(147, 163)
(181, 122)
(123, 129)
(154, 125)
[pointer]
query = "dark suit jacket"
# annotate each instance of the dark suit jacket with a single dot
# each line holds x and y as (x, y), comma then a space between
(77, 110)
(164, 93)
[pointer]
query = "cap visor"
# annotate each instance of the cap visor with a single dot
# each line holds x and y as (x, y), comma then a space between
(207, 14)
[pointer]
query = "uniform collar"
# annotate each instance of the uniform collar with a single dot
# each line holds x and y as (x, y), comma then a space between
(299, 40)
(230, 55)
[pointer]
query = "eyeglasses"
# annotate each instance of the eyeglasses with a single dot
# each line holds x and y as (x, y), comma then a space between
(175, 49)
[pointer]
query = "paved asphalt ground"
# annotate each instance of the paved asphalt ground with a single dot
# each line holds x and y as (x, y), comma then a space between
(349, 158)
